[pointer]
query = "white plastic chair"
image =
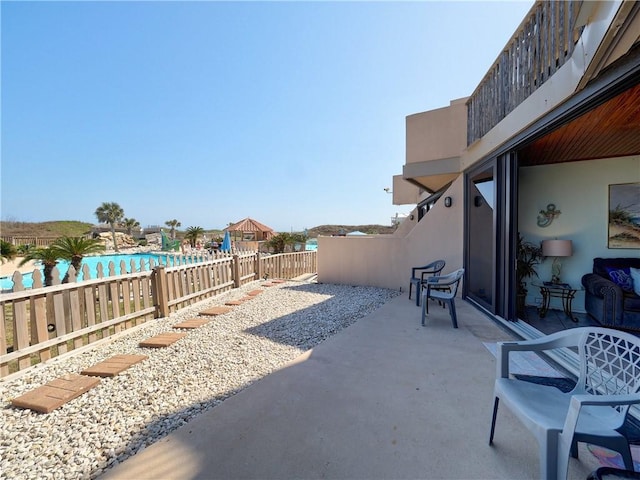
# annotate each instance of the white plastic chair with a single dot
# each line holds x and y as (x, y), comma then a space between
(593, 412)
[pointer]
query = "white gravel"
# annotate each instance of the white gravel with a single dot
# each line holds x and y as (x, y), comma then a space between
(124, 414)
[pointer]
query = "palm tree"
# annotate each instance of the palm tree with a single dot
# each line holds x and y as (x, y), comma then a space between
(173, 224)
(7, 251)
(49, 258)
(74, 249)
(192, 234)
(130, 224)
(279, 242)
(24, 248)
(111, 213)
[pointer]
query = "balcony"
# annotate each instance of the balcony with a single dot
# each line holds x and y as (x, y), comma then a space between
(543, 43)
(435, 141)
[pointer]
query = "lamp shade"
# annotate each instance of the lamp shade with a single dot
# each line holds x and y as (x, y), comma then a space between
(557, 248)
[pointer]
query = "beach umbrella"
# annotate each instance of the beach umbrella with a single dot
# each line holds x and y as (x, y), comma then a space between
(226, 243)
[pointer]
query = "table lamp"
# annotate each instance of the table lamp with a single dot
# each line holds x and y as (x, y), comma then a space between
(556, 248)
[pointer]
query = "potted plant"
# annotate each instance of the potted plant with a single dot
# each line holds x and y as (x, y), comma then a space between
(529, 256)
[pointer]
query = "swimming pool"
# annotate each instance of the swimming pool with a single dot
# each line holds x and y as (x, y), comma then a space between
(6, 283)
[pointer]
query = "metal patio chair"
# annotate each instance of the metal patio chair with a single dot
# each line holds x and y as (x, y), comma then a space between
(419, 276)
(442, 288)
(593, 412)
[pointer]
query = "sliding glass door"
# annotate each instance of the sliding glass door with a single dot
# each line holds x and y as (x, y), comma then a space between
(490, 216)
(481, 219)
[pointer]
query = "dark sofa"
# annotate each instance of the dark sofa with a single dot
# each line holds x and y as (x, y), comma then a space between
(605, 301)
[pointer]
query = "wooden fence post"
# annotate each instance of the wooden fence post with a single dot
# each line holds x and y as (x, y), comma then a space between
(236, 271)
(159, 291)
(258, 268)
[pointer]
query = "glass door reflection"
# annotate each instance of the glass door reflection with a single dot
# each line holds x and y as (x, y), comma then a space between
(481, 218)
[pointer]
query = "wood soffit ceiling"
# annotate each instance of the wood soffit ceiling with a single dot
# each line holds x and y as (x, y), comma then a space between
(610, 130)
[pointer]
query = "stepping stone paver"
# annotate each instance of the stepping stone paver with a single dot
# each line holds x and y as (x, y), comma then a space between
(112, 366)
(278, 281)
(253, 293)
(193, 323)
(246, 299)
(268, 284)
(162, 340)
(216, 311)
(233, 303)
(57, 392)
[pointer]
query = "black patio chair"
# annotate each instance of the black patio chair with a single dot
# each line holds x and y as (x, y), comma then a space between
(419, 276)
(442, 288)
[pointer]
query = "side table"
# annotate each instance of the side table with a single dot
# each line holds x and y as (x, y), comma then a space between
(558, 290)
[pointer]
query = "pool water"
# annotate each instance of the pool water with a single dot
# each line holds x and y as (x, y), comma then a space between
(6, 283)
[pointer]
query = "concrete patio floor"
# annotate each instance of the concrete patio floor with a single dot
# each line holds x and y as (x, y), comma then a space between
(385, 398)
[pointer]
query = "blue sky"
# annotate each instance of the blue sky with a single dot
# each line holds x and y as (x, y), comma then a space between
(292, 113)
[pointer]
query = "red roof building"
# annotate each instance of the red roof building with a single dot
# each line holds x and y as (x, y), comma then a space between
(250, 230)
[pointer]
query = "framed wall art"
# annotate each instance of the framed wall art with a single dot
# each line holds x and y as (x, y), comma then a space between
(624, 216)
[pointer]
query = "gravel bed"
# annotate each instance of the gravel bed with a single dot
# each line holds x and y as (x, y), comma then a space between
(126, 413)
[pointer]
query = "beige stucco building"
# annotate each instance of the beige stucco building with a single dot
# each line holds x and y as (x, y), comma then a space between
(556, 120)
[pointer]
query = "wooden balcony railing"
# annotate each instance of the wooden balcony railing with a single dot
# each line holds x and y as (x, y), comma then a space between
(542, 44)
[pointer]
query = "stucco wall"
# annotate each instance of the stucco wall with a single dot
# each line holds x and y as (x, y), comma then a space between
(404, 193)
(580, 190)
(437, 134)
(386, 260)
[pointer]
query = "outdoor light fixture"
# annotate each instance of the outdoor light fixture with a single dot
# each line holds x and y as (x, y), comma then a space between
(556, 248)
(388, 190)
(448, 201)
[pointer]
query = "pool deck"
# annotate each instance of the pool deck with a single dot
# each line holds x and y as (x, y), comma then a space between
(8, 268)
